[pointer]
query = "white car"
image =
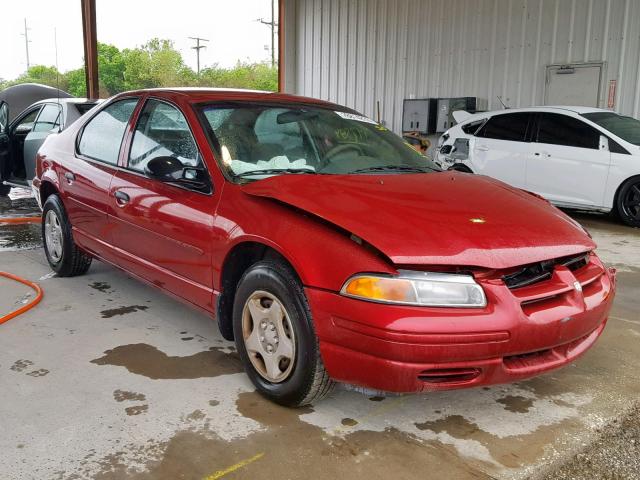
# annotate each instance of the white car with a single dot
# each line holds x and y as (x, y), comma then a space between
(575, 157)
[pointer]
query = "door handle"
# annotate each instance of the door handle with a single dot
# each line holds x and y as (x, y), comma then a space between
(70, 177)
(121, 198)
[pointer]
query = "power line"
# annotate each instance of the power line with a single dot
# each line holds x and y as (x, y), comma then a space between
(197, 48)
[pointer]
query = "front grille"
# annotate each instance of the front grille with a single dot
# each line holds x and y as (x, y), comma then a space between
(541, 271)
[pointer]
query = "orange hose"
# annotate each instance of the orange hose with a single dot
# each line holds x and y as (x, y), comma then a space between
(29, 305)
(18, 220)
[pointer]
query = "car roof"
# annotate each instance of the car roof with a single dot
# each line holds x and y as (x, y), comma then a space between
(204, 94)
(548, 108)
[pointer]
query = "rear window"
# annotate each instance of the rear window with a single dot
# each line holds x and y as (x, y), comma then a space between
(509, 126)
(627, 128)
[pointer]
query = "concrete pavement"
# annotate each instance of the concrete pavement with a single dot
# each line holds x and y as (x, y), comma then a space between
(110, 379)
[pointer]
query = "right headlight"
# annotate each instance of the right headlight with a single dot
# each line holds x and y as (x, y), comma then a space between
(431, 289)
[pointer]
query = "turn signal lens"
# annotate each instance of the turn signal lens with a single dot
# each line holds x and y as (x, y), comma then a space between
(418, 288)
(380, 288)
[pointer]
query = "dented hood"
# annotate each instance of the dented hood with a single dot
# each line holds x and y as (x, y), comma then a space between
(445, 218)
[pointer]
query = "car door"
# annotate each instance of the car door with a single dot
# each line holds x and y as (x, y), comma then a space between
(47, 122)
(500, 148)
(85, 176)
(14, 169)
(569, 165)
(5, 144)
(164, 229)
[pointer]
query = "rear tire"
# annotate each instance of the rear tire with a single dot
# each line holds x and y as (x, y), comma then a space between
(64, 257)
(628, 202)
(275, 336)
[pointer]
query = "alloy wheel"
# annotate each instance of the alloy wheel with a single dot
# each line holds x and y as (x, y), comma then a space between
(268, 336)
(53, 236)
(631, 202)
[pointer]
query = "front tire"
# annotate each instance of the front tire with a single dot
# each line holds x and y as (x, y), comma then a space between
(64, 257)
(628, 202)
(275, 336)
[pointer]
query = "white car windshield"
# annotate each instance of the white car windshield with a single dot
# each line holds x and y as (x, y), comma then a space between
(627, 128)
(256, 141)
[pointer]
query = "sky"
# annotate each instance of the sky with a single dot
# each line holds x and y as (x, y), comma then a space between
(230, 26)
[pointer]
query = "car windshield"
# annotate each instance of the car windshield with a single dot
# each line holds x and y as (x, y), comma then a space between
(626, 128)
(258, 141)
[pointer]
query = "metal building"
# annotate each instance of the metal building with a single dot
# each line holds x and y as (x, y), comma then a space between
(528, 52)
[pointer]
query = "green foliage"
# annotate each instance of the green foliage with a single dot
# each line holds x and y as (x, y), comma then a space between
(154, 64)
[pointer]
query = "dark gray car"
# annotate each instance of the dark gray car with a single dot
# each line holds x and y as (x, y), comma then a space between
(22, 137)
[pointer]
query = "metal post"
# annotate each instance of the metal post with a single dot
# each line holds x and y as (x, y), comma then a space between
(90, 47)
(197, 49)
(281, 33)
(26, 42)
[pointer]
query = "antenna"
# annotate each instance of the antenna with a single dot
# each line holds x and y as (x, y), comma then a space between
(55, 43)
(503, 104)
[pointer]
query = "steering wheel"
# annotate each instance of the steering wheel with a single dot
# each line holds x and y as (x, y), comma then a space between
(344, 147)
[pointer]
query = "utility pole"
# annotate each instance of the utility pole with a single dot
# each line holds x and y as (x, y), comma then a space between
(273, 24)
(26, 42)
(197, 49)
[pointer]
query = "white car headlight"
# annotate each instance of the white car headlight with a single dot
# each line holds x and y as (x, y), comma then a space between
(417, 288)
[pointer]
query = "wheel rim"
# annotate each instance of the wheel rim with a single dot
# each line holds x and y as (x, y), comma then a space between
(268, 336)
(53, 236)
(631, 202)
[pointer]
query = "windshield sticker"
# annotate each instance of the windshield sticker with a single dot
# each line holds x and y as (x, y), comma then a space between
(357, 118)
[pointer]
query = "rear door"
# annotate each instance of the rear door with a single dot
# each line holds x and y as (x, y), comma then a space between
(500, 148)
(163, 230)
(568, 165)
(47, 122)
(86, 176)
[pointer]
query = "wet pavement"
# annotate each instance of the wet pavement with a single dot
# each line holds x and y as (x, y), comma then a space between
(19, 203)
(110, 379)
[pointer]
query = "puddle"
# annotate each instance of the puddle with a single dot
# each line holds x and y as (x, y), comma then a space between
(123, 395)
(516, 403)
(24, 236)
(148, 361)
(100, 286)
(113, 312)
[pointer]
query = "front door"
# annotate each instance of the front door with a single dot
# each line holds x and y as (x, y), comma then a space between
(48, 122)
(164, 229)
(567, 164)
(500, 148)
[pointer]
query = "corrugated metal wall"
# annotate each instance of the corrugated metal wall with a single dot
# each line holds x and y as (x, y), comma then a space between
(358, 52)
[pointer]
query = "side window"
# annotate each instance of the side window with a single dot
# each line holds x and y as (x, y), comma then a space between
(557, 129)
(49, 119)
(102, 136)
(472, 128)
(26, 124)
(507, 126)
(162, 131)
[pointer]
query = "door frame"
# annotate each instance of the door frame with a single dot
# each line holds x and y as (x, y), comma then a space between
(547, 77)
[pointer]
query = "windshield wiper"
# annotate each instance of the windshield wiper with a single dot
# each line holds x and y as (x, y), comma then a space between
(391, 168)
(269, 171)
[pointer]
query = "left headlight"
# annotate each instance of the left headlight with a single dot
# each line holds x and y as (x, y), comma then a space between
(417, 288)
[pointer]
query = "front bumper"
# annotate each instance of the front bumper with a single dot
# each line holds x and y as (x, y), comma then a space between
(520, 334)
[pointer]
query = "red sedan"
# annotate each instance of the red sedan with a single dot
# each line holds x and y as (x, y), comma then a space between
(325, 246)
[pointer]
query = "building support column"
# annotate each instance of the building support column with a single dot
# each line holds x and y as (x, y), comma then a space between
(90, 47)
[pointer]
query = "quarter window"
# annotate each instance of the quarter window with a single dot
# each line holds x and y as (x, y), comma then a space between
(557, 129)
(102, 136)
(507, 126)
(49, 119)
(162, 131)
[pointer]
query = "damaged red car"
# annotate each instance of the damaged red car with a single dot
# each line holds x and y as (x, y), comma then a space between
(325, 246)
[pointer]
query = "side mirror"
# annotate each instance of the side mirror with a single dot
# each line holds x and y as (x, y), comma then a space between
(604, 143)
(4, 116)
(165, 169)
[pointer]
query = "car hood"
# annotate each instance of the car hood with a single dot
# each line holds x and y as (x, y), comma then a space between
(445, 218)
